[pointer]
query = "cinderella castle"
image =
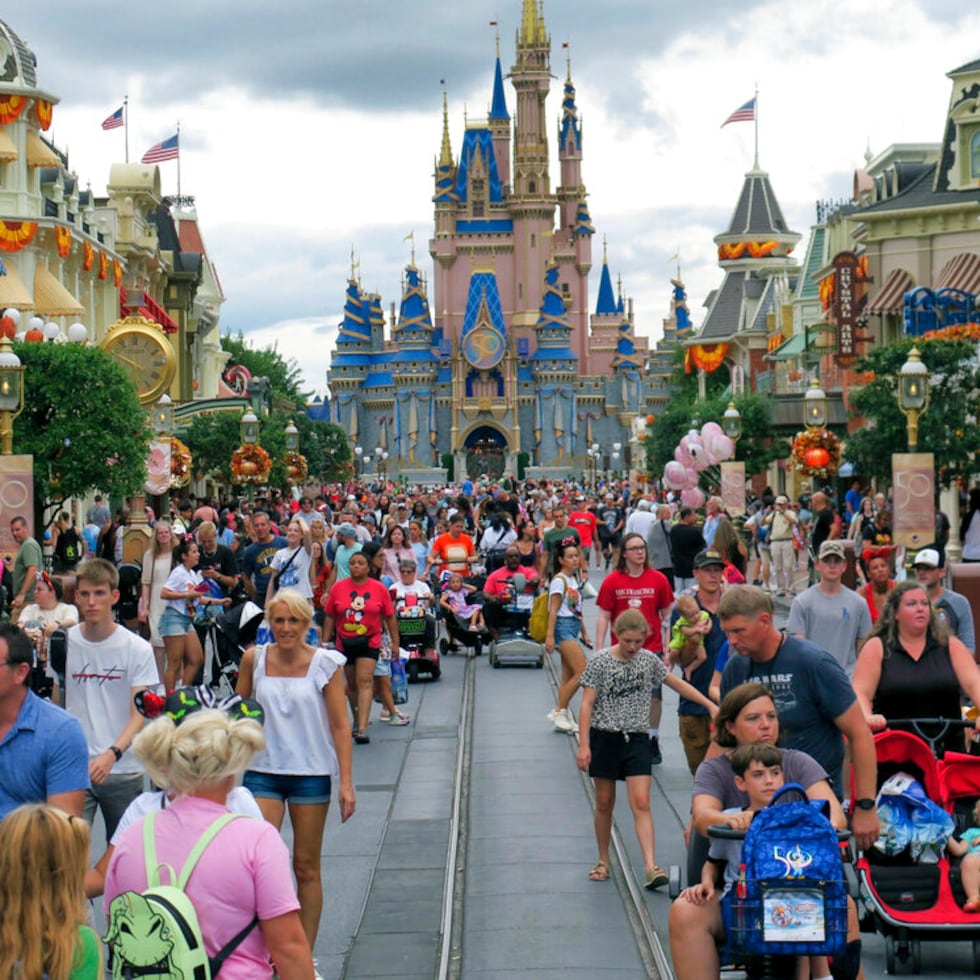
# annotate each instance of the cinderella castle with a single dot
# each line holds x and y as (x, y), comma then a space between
(505, 370)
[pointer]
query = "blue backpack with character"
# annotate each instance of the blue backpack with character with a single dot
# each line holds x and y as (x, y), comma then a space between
(790, 897)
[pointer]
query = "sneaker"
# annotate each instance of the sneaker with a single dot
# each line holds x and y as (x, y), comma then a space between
(564, 722)
(398, 719)
(317, 975)
(551, 714)
(656, 758)
(384, 715)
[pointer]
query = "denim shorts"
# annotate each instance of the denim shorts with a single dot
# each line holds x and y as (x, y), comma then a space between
(279, 786)
(383, 668)
(173, 623)
(567, 628)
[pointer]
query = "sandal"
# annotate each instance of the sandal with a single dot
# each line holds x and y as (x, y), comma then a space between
(600, 872)
(656, 878)
(361, 736)
(972, 904)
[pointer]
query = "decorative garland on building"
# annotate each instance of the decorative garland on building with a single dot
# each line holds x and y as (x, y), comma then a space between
(62, 235)
(959, 331)
(816, 452)
(708, 357)
(756, 250)
(180, 464)
(11, 106)
(43, 112)
(14, 235)
(250, 464)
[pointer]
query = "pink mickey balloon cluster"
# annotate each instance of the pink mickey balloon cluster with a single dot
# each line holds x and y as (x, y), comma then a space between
(696, 452)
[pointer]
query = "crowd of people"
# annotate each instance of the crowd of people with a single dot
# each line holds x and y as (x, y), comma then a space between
(683, 599)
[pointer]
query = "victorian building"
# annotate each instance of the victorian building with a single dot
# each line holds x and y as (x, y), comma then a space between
(505, 368)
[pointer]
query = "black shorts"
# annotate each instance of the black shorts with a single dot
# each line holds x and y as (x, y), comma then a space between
(619, 755)
(355, 648)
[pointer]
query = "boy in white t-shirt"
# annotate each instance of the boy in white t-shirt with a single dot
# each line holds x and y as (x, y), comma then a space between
(106, 666)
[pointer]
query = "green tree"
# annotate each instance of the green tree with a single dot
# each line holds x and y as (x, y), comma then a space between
(285, 378)
(759, 445)
(83, 424)
(948, 427)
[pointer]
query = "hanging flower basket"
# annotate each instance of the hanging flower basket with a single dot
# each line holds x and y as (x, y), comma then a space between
(250, 464)
(816, 452)
(180, 464)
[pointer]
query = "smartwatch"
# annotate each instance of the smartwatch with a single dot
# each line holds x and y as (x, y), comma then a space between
(118, 752)
(866, 803)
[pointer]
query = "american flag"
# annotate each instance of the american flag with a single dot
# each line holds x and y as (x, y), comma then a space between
(115, 120)
(166, 150)
(744, 113)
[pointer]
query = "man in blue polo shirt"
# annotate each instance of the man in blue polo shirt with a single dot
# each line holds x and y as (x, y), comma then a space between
(43, 752)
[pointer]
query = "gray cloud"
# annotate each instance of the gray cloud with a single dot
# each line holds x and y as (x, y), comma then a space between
(370, 55)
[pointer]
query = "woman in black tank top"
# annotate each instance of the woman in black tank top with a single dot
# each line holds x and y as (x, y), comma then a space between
(910, 668)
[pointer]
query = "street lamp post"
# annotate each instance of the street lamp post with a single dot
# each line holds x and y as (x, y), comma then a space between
(292, 437)
(913, 394)
(163, 417)
(617, 446)
(593, 457)
(731, 422)
(815, 406)
(358, 454)
(249, 426)
(11, 394)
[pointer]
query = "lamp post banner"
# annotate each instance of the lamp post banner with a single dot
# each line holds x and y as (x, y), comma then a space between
(16, 500)
(733, 487)
(158, 467)
(913, 496)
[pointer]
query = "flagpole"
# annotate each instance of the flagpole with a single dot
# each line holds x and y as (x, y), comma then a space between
(756, 115)
(178, 160)
(126, 124)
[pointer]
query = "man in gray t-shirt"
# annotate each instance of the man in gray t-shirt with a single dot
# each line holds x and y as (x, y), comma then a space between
(951, 607)
(830, 614)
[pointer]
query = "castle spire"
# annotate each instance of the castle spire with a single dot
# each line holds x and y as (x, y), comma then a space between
(532, 31)
(606, 303)
(498, 106)
(446, 152)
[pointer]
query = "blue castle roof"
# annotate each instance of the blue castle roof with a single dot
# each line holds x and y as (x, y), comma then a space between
(498, 109)
(583, 220)
(478, 141)
(483, 290)
(414, 316)
(356, 325)
(606, 303)
(626, 356)
(569, 118)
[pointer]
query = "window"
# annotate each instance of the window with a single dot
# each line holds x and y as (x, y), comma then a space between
(534, 241)
(532, 187)
(478, 210)
(975, 155)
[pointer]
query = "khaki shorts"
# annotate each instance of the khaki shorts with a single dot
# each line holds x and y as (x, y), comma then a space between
(695, 731)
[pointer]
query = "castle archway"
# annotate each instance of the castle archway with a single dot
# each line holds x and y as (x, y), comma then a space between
(486, 452)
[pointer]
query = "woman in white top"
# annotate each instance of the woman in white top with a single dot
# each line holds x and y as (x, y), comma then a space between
(308, 739)
(181, 597)
(45, 614)
(291, 565)
(157, 562)
(566, 630)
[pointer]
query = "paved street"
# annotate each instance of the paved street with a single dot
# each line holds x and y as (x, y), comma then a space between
(526, 907)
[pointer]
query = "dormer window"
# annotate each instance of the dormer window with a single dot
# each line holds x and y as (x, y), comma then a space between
(975, 155)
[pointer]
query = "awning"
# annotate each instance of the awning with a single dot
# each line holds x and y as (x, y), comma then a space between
(150, 309)
(51, 298)
(13, 292)
(794, 347)
(888, 299)
(961, 272)
(8, 151)
(40, 154)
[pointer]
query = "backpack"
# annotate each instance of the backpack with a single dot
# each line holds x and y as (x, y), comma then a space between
(790, 897)
(70, 546)
(537, 625)
(159, 928)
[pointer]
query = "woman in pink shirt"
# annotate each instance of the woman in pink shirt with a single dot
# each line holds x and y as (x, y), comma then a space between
(243, 875)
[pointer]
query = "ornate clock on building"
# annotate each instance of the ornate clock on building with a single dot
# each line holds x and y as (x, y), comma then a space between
(144, 352)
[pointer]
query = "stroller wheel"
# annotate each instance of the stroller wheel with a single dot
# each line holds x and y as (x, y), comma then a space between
(890, 945)
(412, 670)
(436, 672)
(976, 955)
(478, 647)
(916, 956)
(444, 646)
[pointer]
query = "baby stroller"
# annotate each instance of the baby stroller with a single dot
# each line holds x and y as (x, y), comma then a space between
(909, 901)
(458, 633)
(226, 636)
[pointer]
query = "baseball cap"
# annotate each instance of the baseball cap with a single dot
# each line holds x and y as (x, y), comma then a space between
(927, 558)
(708, 557)
(832, 549)
(782, 499)
(347, 530)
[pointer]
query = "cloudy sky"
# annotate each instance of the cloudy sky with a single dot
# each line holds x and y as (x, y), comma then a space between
(309, 129)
